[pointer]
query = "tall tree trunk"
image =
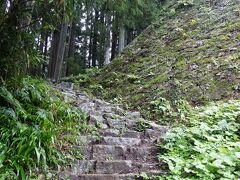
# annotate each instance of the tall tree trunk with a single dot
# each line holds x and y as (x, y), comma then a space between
(102, 38)
(114, 38)
(72, 40)
(90, 51)
(41, 47)
(107, 54)
(66, 51)
(60, 52)
(121, 39)
(72, 43)
(95, 39)
(57, 52)
(54, 51)
(45, 53)
(85, 41)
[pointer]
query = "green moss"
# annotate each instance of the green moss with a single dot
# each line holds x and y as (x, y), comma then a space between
(238, 36)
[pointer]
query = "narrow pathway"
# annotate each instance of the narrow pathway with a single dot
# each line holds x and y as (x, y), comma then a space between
(126, 147)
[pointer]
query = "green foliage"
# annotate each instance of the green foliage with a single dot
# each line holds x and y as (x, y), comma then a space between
(142, 126)
(83, 78)
(34, 125)
(167, 111)
(209, 148)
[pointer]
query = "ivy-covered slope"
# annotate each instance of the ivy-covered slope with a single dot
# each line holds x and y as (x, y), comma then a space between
(192, 52)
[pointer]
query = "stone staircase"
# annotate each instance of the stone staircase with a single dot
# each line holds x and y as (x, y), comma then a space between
(126, 146)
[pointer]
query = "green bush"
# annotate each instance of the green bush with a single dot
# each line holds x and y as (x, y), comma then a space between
(33, 120)
(209, 148)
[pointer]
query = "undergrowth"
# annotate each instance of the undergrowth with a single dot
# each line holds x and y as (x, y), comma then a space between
(208, 148)
(37, 129)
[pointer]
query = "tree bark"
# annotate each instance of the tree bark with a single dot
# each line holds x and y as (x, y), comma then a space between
(101, 39)
(85, 41)
(114, 38)
(72, 43)
(121, 39)
(45, 53)
(54, 51)
(60, 52)
(66, 51)
(107, 54)
(95, 39)
(90, 51)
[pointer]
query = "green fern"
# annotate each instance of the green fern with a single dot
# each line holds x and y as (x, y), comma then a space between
(32, 119)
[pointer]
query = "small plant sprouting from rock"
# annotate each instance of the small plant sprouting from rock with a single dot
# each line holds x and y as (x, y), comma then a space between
(142, 126)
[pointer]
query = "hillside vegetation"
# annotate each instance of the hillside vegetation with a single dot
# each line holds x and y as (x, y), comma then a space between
(191, 53)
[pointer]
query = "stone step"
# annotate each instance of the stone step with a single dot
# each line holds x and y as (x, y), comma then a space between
(145, 167)
(85, 150)
(121, 141)
(121, 133)
(139, 154)
(84, 167)
(153, 134)
(110, 132)
(109, 152)
(88, 140)
(115, 166)
(132, 134)
(129, 176)
(116, 124)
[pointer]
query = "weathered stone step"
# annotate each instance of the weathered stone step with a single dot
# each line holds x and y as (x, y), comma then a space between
(146, 167)
(121, 141)
(115, 152)
(81, 167)
(114, 166)
(129, 176)
(153, 134)
(124, 133)
(94, 176)
(132, 134)
(124, 166)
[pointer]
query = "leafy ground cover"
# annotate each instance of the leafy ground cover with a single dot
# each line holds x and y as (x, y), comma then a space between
(209, 147)
(37, 129)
